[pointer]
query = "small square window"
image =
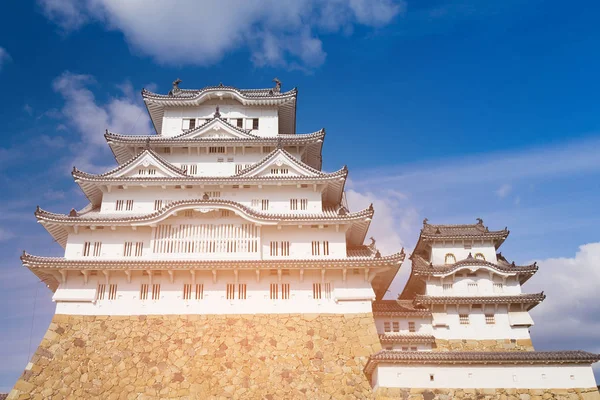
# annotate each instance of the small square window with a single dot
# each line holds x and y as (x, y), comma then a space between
(396, 326)
(431, 377)
(411, 326)
(464, 319)
(387, 327)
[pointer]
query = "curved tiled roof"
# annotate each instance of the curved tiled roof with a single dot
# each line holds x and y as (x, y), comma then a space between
(531, 299)
(479, 357)
(329, 214)
(422, 267)
(286, 139)
(406, 338)
(123, 166)
(398, 308)
(266, 93)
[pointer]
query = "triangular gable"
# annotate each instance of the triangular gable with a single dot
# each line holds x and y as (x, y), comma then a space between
(216, 128)
(147, 164)
(279, 163)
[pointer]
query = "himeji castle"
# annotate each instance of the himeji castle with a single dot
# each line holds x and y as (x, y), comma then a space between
(217, 260)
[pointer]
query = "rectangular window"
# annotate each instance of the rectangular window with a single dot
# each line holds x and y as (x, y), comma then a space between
(220, 159)
(387, 326)
(144, 291)
(316, 249)
(254, 123)
(242, 291)
(285, 291)
(112, 292)
(216, 150)
(157, 204)
(119, 205)
(265, 204)
(187, 291)
(413, 348)
(127, 249)
(303, 204)
(396, 326)
(317, 291)
(411, 326)
(230, 291)
(404, 348)
(101, 290)
(447, 287)
(193, 169)
(188, 123)
(156, 291)
(86, 249)
(490, 319)
(326, 248)
(199, 291)
(274, 291)
(280, 248)
(464, 319)
(129, 205)
(239, 122)
(293, 204)
(139, 247)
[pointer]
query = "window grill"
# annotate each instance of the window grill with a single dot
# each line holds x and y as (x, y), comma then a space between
(112, 292)
(411, 326)
(100, 291)
(144, 291)
(156, 291)
(490, 319)
(464, 319)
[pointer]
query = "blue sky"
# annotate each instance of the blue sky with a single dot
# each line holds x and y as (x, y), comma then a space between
(449, 110)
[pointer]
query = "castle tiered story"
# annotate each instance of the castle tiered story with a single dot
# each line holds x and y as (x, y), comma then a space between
(218, 258)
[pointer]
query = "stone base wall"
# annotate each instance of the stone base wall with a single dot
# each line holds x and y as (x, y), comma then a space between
(483, 345)
(276, 356)
(488, 394)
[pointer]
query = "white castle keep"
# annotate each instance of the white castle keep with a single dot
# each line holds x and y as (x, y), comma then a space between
(226, 212)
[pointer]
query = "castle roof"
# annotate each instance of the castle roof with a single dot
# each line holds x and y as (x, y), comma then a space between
(58, 224)
(285, 101)
(125, 174)
(432, 233)
(530, 300)
(124, 146)
(43, 267)
(398, 308)
(479, 357)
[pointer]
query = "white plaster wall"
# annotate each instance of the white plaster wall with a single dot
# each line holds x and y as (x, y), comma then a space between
(268, 116)
(278, 196)
(439, 251)
(477, 329)
(478, 285)
(422, 325)
(214, 302)
(484, 377)
(300, 241)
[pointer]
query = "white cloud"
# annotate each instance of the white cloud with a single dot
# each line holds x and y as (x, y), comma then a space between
(4, 57)
(81, 110)
(28, 109)
(570, 315)
(277, 32)
(5, 235)
(504, 190)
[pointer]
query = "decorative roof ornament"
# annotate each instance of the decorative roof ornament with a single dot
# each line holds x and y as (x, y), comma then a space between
(221, 84)
(279, 143)
(277, 88)
(479, 221)
(470, 256)
(377, 254)
(205, 196)
(147, 144)
(372, 244)
(73, 213)
(425, 221)
(175, 90)
(217, 113)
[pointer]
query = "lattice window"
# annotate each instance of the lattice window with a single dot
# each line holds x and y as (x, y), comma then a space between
(326, 248)
(242, 291)
(127, 249)
(498, 287)
(86, 249)
(112, 291)
(450, 258)
(280, 171)
(463, 319)
(144, 291)
(92, 249)
(146, 171)
(316, 249)
(303, 204)
(240, 167)
(413, 348)
(285, 291)
(317, 291)
(214, 194)
(193, 169)
(216, 150)
(100, 291)
(156, 291)
(396, 326)
(225, 213)
(404, 348)
(230, 291)
(293, 204)
(479, 256)
(264, 203)
(490, 319)
(274, 291)
(280, 248)
(411, 326)
(119, 205)
(199, 291)
(187, 291)
(447, 287)
(327, 290)
(188, 213)
(158, 204)
(205, 238)
(387, 326)
(472, 287)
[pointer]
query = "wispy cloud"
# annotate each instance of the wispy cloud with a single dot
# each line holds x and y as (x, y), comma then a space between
(504, 190)
(281, 33)
(4, 57)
